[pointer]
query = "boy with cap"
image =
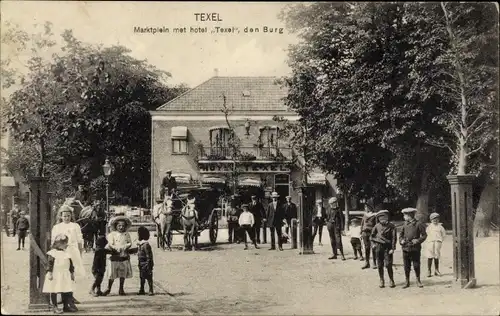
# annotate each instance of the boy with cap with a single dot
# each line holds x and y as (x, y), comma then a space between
(411, 238)
(435, 236)
(367, 224)
(246, 222)
(383, 239)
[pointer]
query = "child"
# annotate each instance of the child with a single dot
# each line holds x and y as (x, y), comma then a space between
(435, 236)
(145, 257)
(367, 224)
(355, 234)
(119, 243)
(60, 275)
(246, 222)
(383, 240)
(99, 265)
(411, 238)
(22, 226)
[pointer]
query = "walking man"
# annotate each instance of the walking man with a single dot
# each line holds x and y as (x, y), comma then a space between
(14, 216)
(335, 226)
(257, 209)
(274, 218)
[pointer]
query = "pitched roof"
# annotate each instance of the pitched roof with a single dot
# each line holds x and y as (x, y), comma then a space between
(242, 94)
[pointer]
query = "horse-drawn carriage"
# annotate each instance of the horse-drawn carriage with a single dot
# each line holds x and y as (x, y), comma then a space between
(91, 218)
(188, 211)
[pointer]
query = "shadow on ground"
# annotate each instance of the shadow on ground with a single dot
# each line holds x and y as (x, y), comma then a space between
(227, 307)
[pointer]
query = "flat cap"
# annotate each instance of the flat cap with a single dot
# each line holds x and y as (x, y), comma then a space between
(409, 210)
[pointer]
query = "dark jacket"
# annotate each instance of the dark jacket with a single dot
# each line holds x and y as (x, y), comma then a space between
(22, 223)
(412, 230)
(145, 256)
(315, 213)
(367, 223)
(169, 184)
(335, 216)
(290, 210)
(233, 214)
(258, 212)
(275, 216)
(384, 235)
(99, 263)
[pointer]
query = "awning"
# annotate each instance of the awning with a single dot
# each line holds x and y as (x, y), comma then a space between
(250, 181)
(218, 127)
(316, 178)
(8, 182)
(182, 177)
(211, 179)
(179, 132)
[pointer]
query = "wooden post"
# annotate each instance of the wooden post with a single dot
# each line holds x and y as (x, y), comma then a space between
(463, 232)
(305, 222)
(293, 232)
(40, 222)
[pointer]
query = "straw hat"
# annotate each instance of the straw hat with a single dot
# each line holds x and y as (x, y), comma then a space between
(275, 195)
(332, 200)
(319, 201)
(115, 220)
(382, 212)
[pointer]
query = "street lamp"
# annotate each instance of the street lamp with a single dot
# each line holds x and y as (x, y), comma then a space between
(107, 168)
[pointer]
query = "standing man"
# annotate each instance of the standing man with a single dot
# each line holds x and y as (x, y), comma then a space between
(257, 209)
(82, 196)
(5, 221)
(168, 184)
(232, 221)
(335, 225)
(246, 222)
(14, 216)
(411, 238)
(274, 217)
(290, 212)
(367, 224)
(319, 216)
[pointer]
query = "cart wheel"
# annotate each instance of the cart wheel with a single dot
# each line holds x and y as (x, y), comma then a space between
(213, 226)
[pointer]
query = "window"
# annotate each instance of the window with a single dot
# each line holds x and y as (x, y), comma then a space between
(179, 140)
(179, 146)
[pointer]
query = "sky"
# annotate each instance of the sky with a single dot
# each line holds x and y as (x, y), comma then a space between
(190, 57)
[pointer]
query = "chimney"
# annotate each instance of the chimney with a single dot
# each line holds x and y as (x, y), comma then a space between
(216, 72)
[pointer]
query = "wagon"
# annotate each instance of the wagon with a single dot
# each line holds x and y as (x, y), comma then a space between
(206, 202)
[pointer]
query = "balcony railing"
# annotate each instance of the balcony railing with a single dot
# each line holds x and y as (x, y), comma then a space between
(246, 153)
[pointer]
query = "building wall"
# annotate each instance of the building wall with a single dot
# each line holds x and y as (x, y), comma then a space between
(198, 131)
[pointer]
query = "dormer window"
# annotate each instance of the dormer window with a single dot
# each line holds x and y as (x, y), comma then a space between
(246, 93)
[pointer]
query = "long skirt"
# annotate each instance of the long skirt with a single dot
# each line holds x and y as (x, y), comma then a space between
(118, 269)
(76, 257)
(432, 249)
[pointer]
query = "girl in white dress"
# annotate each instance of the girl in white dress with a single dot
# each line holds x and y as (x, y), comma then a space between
(75, 239)
(435, 236)
(60, 275)
(120, 244)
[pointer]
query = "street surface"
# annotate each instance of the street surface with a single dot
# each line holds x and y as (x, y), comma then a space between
(225, 279)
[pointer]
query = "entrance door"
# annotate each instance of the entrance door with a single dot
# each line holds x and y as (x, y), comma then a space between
(282, 186)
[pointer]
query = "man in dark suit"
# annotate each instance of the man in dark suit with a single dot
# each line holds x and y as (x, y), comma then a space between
(168, 184)
(290, 210)
(274, 218)
(319, 217)
(257, 209)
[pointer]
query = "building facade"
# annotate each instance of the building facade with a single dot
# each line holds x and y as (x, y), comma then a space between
(191, 135)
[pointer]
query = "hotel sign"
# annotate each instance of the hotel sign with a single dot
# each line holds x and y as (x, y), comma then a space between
(218, 167)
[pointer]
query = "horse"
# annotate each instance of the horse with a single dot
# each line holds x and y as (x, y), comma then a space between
(90, 226)
(189, 221)
(162, 216)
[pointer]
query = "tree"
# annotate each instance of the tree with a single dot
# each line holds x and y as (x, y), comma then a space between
(88, 103)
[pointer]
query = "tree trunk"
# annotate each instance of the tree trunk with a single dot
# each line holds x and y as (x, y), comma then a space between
(423, 198)
(488, 204)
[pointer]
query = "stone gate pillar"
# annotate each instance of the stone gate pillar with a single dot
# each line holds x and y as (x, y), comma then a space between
(463, 232)
(40, 226)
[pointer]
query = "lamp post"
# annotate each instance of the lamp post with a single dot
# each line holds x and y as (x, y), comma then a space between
(106, 168)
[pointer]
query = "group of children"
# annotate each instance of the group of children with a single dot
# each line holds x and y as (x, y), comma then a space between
(118, 245)
(383, 241)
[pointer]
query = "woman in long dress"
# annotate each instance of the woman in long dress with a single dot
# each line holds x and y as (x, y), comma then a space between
(75, 238)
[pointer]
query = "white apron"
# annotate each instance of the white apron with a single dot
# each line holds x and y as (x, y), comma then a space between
(74, 233)
(61, 277)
